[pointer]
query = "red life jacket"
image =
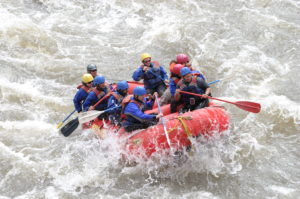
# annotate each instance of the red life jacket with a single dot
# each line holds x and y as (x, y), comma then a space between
(85, 88)
(181, 85)
(79, 86)
(126, 101)
(176, 80)
(100, 94)
(118, 97)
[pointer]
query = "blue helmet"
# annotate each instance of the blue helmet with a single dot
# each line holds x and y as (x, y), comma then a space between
(122, 85)
(99, 80)
(139, 90)
(184, 71)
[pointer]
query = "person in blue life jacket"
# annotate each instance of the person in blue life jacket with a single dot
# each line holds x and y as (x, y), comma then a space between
(135, 118)
(83, 91)
(185, 61)
(154, 76)
(92, 69)
(193, 84)
(116, 100)
(99, 91)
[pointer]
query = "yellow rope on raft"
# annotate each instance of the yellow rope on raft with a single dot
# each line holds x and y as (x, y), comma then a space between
(184, 125)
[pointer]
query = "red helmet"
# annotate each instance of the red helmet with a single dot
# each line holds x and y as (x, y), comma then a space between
(182, 58)
(176, 69)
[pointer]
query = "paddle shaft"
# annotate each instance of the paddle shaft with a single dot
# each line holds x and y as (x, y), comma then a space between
(103, 98)
(248, 106)
(163, 122)
(60, 124)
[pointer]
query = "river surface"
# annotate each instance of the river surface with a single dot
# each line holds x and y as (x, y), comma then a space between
(45, 46)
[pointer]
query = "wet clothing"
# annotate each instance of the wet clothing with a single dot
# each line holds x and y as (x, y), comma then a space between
(94, 96)
(115, 115)
(191, 102)
(153, 78)
(135, 118)
(79, 97)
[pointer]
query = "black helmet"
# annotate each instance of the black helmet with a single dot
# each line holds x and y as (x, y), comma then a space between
(91, 67)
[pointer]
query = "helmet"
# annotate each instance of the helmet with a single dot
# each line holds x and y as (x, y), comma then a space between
(139, 90)
(86, 78)
(144, 56)
(184, 71)
(182, 58)
(91, 67)
(176, 69)
(99, 80)
(122, 85)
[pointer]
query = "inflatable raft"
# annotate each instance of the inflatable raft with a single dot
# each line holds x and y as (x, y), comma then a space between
(179, 127)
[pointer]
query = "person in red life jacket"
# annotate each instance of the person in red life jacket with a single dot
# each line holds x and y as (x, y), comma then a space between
(154, 76)
(92, 69)
(135, 118)
(100, 90)
(185, 61)
(116, 100)
(193, 84)
(169, 94)
(82, 93)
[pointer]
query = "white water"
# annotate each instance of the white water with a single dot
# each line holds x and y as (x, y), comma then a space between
(45, 46)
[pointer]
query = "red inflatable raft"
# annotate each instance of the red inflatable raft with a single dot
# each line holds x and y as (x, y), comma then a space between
(180, 128)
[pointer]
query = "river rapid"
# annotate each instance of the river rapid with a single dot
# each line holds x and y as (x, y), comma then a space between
(45, 46)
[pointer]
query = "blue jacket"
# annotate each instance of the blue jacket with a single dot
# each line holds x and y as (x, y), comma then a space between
(79, 98)
(93, 99)
(172, 86)
(198, 72)
(135, 114)
(152, 78)
(113, 102)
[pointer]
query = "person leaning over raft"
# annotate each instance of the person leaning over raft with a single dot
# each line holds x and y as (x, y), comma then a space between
(191, 84)
(154, 76)
(116, 100)
(100, 90)
(135, 118)
(84, 90)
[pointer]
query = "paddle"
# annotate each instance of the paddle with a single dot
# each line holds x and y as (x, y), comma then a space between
(163, 122)
(90, 115)
(73, 124)
(61, 123)
(245, 105)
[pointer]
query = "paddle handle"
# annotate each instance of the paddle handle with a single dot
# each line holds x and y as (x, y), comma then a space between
(61, 123)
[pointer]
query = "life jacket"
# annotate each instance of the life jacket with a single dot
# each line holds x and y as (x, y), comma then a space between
(171, 66)
(152, 78)
(190, 87)
(126, 101)
(85, 88)
(129, 118)
(79, 86)
(118, 97)
(176, 79)
(100, 94)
